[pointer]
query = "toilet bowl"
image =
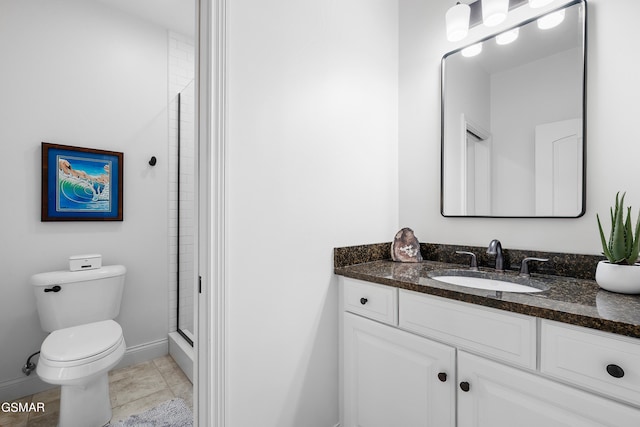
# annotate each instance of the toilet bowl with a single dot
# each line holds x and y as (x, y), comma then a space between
(78, 359)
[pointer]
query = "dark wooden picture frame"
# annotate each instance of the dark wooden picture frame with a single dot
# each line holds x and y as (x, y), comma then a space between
(81, 184)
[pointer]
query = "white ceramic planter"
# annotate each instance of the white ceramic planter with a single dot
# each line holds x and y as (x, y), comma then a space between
(624, 279)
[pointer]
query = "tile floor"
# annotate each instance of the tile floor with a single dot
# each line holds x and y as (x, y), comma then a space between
(133, 389)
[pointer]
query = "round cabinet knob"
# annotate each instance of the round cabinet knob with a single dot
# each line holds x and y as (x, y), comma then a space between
(464, 386)
(363, 301)
(615, 371)
(442, 376)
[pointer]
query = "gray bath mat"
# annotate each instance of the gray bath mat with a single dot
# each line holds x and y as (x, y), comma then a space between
(172, 413)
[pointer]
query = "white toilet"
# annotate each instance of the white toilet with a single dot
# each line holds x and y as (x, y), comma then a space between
(78, 308)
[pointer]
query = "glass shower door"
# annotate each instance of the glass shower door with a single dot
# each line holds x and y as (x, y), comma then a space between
(186, 213)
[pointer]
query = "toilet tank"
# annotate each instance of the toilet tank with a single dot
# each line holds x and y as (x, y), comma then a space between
(70, 298)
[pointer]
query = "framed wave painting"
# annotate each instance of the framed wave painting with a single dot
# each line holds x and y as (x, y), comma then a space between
(81, 184)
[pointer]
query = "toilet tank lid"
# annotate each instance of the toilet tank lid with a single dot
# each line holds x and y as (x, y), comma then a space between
(62, 277)
(74, 257)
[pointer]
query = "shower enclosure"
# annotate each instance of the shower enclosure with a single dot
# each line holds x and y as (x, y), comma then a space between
(182, 227)
(182, 201)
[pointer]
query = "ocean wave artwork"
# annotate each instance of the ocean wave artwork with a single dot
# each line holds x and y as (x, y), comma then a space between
(83, 184)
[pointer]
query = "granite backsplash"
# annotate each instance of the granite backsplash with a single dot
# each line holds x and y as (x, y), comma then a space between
(559, 264)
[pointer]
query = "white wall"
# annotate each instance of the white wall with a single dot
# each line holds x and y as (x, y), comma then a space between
(312, 136)
(75, 73)
(612, 150)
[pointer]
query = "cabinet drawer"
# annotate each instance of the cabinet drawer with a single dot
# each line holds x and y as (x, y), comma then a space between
(507, 336)
(377, 302)
(582, 356)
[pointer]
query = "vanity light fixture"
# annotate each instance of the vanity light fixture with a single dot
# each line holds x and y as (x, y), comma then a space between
(494, 12)
(534, 4)
(457, 21)
(467, 14)
(551, 20)
(508, 36)
(472, 50)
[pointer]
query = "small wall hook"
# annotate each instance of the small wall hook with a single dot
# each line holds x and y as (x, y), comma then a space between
(153, 161)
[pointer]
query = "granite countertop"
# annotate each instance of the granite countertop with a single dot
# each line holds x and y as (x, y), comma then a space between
(575, 301)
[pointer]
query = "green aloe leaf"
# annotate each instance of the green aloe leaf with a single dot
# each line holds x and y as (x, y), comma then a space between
(605, 247)
(628, 234)
(618, 249)
(635, 247)
(613, 226)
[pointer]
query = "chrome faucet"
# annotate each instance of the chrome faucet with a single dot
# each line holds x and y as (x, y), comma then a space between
(495, 248)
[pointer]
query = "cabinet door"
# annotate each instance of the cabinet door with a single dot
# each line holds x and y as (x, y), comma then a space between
(502, 396)
(393, 378)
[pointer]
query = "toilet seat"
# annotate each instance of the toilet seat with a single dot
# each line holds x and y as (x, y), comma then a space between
(81, 344)
(75, 354)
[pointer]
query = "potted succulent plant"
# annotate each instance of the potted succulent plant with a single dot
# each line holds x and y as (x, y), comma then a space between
(620, 272)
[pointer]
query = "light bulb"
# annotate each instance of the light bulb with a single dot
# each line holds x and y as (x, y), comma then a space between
(508, 36)
(494, 12)
(457, 20)
(551, 20)
(472, 50)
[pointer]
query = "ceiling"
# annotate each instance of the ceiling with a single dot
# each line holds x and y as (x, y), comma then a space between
(176, 15)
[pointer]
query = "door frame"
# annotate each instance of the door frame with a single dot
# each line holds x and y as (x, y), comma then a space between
(470, 126)
(210, 379)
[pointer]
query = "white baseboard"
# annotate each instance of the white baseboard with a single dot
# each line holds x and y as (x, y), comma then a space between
(19, 387)
(143, 352)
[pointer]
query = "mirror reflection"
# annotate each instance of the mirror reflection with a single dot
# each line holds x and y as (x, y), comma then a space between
(513, 121)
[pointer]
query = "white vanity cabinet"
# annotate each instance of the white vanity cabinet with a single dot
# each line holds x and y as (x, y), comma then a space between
(432, 361)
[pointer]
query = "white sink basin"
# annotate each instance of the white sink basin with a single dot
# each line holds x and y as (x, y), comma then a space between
(489, 284)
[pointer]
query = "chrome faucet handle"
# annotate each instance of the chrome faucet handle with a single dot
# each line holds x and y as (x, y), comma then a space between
(474, 260)
(524, 267)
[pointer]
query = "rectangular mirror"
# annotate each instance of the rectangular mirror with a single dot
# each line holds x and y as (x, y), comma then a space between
(513, 121)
